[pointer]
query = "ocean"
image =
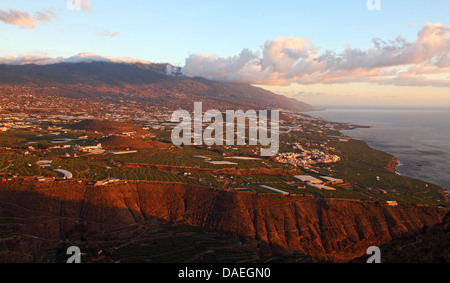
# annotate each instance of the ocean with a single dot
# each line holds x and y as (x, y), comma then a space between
(420, 139)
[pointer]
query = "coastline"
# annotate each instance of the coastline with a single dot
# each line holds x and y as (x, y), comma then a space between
(418, 138)
(393, 164)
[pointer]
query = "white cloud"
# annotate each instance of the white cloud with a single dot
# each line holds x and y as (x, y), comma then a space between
(92, 57)
(287, 60)
(27, 59)
(24, 19)
(79, 58)
(86, 5)
(108, 33)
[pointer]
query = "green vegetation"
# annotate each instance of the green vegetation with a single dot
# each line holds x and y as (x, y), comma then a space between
(190, 157)
(362, 165)
(209, 178)
(363, 168)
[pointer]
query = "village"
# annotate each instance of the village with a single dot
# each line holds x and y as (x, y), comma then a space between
(305, 158)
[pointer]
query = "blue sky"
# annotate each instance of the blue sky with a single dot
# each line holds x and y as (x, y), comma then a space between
(168, 31)
(171, 31)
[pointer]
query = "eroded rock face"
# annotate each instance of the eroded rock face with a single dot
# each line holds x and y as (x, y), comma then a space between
(428, 245)
(392, 166)
(337, 230)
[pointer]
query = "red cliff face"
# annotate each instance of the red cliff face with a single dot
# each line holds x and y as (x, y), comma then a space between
(392, 166)
(337, 230)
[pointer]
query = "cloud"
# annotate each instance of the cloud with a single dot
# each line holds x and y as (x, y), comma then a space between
(27, 59)
(15, 17)
(86, 5)
(108, 33)
(48, 16)
(79, 58)
(24, 19)
(286, 60)
(78, 5)
(93, 57)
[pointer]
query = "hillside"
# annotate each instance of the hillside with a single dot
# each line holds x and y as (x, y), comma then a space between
(149, 82)
(120, 142)
(429, 245)
(109, 127)
(124, 219)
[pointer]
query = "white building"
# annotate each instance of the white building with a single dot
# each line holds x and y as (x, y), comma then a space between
(44, 162)
(309, 179)
(274, 190)
(322, 187)
(333, 180)
(67, 174)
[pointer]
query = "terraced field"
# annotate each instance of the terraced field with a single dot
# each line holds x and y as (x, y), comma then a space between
(359, 167)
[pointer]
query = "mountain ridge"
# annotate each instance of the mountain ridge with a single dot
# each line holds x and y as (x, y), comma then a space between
(145, 80)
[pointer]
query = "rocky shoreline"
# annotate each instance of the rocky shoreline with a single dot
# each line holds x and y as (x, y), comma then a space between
(392, 166)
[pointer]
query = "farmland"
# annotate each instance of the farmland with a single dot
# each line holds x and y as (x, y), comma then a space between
(363, 169)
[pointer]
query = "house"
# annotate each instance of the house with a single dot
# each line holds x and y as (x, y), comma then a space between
(392, 203)
(123, 152)
(106, 182)
(333, 180)
(88, 148)
(322, 187)
(274, 190)
(99, 183)
(97, 151)
(44, 162)
(309, 179)
(40, 178)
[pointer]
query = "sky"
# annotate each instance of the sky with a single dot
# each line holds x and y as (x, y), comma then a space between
(322, 52)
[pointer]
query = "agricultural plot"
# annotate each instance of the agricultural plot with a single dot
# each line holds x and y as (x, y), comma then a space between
(362, 165)
(264, 179)
(81, 168)
(189, 157)
(210, 178)
(23, 165)
(10, 138)
(96, 170)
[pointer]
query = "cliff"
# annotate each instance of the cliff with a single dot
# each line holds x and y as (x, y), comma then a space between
(392, 166)
(329, 230)
(428, 245)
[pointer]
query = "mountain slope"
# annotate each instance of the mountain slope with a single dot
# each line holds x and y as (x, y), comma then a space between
(150, 81)
(429, 245)
(109, 127)
(120, 142)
